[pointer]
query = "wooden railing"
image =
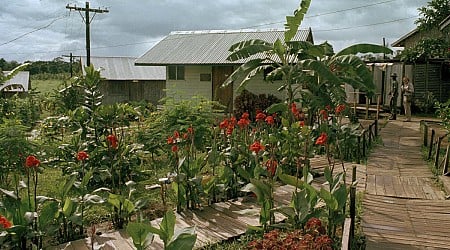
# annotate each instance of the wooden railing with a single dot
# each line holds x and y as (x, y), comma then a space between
(434, 147)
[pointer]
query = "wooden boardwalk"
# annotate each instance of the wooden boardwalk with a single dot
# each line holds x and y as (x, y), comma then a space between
(220, 221)
(403, 208)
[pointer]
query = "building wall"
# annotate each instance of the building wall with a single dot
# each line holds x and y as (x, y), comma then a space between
(132, 91)
(191, 85)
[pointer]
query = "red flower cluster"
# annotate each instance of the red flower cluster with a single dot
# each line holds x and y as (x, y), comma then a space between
(298, 114)
(32, 161)
(324, 114)
(322, 139)
(82, 155)
(260, 116)
(4, 223)
(270, 120)
(228, 125)
(172, 140)
(244, 121)
(112, 141)
(271, 166)
(339, 108)
(256, 147)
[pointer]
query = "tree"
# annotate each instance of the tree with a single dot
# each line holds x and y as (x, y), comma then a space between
(312, 74)
(433, 14)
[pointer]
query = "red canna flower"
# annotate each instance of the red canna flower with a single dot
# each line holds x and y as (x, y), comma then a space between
(174, 148)
(82, 155)
(328, 107)
(32, 161)
(243, 122)
(271, 166)
(233, 121)
(301, 123)
(112, 141)
(270, 120)
(230, 130)
(224, 124)
(185, 136)
(4, 223)
(324, 114)
(322, 140)
(190, 130)
(256, 147)
(245, 115)
(340, 108)
(260, 116)
(170, 140)
(176, 134)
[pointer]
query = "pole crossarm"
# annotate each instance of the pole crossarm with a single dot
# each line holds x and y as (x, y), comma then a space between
(87, 21)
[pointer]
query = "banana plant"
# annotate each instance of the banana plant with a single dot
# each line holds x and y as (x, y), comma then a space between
(310, 73)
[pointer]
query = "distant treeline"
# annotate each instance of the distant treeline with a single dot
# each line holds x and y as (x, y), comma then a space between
(56, 66)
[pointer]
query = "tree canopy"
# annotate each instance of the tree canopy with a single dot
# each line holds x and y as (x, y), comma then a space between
(433, 14)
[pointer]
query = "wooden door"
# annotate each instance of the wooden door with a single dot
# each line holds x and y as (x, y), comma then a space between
(224, 95)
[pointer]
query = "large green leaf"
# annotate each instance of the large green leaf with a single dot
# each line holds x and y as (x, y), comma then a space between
(244, 73)
(321, 69)
(183, 239)
(245, 49)
(293, 22)
(364, 48)
(140, 234)
(167, 226)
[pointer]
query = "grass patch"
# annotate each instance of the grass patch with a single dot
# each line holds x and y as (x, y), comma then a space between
(46, 86)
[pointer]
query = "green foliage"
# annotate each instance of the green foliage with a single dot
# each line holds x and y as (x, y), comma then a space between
(250, 103)
(433, 14)
(425, 49)
(443, 111)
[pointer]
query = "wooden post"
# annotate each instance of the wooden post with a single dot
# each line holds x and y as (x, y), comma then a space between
(378, 107)
(353, 204)
(376, 128)
(425, 133)
(364, 143)
(438, 148)
(358, 151)
(370, 134)
(445, 168)
(367, 108)
(431, 144)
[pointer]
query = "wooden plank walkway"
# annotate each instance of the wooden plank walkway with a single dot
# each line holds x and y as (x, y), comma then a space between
(222, 220)
(403, 208)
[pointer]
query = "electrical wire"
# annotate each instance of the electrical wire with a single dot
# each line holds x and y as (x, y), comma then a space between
(266, 24)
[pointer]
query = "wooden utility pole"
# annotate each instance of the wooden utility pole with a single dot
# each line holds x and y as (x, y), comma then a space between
(87, 20)
(70, 65)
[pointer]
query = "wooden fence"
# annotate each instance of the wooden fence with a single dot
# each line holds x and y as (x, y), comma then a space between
(432, 140)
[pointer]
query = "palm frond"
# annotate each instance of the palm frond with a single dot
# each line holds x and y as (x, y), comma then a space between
(293, 22)
(248, 48)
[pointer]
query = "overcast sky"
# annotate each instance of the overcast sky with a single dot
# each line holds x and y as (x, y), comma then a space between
(45, 29)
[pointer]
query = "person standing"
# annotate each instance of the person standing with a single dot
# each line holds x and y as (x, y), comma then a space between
(407, 91)
(393, 97)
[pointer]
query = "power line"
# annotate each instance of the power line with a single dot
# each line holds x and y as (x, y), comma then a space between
(321, 14)
(27, 33)
(366, 25)
(326, 13)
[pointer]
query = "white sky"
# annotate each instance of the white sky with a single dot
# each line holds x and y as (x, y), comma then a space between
(45, 29)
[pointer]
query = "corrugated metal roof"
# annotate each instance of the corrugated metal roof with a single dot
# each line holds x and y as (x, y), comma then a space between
(123, 68)
(208, 47)
(22, 78)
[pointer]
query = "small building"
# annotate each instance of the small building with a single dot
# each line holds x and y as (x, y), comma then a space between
(19, 84)
(197, 62)
(123, 81)
(431, 77)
